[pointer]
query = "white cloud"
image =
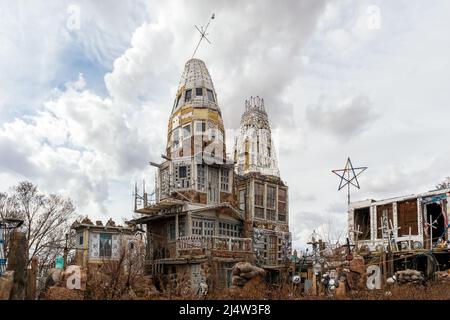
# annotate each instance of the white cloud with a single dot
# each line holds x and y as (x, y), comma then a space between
(92, 139)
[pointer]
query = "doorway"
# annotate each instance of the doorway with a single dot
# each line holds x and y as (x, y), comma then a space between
(437, 215)
(213, 185)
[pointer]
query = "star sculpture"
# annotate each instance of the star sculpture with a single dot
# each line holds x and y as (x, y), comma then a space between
(349, 176)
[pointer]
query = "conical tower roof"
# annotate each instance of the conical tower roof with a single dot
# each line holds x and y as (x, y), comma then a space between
(195, 76)
(196, 117)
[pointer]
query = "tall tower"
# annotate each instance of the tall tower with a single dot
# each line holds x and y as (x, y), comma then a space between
(261, 193)
(254, 149)
(196, 165)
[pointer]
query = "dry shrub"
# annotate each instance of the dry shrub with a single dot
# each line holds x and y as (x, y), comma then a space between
(60, 293)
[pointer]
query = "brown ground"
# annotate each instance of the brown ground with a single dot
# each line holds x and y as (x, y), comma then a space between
(260, 291)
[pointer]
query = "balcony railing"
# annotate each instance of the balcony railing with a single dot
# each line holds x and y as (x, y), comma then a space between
(214, 243)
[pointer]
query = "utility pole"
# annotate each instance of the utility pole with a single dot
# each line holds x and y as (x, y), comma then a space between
(66, 251)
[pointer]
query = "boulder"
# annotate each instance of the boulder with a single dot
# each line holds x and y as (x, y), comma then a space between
(358, 265)
(6, 285)
(249, 275)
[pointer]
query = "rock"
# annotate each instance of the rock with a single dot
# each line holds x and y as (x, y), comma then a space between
(6, 285)
(244, 267)
(357, 265)
(390, 281)
(249, 275)
(238, 281)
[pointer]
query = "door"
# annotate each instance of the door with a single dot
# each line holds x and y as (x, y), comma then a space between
(213, 185)
(196, 277)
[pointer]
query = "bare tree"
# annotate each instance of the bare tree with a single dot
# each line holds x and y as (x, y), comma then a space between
(445, 184)
(47, 219)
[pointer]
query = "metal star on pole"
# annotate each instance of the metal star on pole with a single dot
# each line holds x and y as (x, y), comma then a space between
(349, 176)
(203, 34)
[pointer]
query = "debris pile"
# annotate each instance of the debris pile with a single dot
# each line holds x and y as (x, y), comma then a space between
(243, 272)
(442, 276)
(409, 276)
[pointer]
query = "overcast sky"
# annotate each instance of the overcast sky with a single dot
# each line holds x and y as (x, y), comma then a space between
(84, 103)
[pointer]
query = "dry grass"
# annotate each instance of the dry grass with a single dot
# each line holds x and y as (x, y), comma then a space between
(142, 289)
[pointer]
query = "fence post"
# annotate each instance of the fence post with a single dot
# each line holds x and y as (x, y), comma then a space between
(31, 280)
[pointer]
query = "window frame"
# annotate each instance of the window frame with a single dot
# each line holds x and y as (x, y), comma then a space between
(203, 126)
(259, 196)
(210, 95)
(224, 180)
(201, 179)
(184, 131)
(107, 252)
(188, 95)
(242, 194)
(176, 132)
(171, 231)
(229, 229)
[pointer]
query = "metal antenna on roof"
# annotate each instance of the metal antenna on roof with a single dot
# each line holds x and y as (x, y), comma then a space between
(203, 34)
(349, 176)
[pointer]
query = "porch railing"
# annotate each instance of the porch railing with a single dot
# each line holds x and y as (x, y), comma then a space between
(219, 243)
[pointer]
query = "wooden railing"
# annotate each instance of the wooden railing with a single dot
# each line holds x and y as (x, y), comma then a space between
(220, 243)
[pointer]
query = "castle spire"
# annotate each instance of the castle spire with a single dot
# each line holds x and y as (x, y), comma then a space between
(254, 148)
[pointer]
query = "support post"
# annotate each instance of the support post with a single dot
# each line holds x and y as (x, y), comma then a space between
(17, 262)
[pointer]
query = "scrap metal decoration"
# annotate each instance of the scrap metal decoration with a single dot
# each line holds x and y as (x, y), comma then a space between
(203, 34)
(5, 225)
(349, 176)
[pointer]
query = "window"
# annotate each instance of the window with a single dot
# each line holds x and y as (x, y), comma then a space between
(228, 229)
(208, 228)
(271, 214)
(182, 176)
(130, 246)
(242, 199)
(259, 212)
(171, 231)
(80, 239)
(259, 200)
(105, 245)
(259, 194)
(188, 95)
(224, 179)
(182, 227)
(210, 95)
(176, 138)
(282, 195)
(182, 172)
(177, 101)
(282, 201)
(200, 126)
(186, 131)
(197, 227)
(202, 227)
(198, 92)
(271, 199)
(271, 195)
(201, 177)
